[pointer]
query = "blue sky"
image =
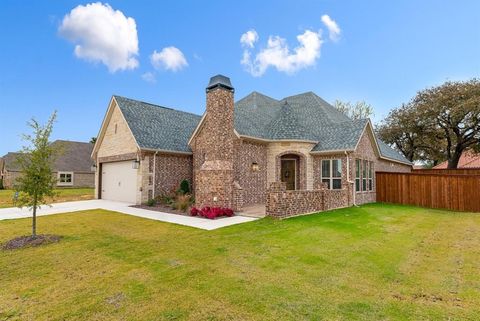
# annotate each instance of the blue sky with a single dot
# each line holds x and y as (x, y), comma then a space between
(384, 53)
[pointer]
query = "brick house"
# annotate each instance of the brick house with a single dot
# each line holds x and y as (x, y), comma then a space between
(295, 155)
(72, 168)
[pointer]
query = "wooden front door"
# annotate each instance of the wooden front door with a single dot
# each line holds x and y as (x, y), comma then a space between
(288, 172)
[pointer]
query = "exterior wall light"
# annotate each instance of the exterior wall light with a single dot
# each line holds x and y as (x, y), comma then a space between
(136, 164)
(93, 168)
(255, 167)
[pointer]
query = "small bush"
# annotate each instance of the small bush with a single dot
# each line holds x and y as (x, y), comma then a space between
(151, 202)
(165, 199)
(1, 183)
(211, 212)
(182, 202)
(194, 211)
(184, 187)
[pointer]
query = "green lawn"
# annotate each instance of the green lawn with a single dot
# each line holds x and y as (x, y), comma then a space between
(376, 262)
(64, 195)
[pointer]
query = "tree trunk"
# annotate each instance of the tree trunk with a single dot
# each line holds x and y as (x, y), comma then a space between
(34, 219)
(453, 161)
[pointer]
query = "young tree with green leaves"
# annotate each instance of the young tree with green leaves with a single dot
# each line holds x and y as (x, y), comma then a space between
(37, 181)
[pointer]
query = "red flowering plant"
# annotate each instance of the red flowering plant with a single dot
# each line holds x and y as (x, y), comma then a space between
(211, 212)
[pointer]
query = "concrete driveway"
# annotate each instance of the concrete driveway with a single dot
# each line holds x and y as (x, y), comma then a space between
(68, 207)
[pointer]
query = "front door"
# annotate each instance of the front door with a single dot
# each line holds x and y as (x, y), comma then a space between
(288, 172)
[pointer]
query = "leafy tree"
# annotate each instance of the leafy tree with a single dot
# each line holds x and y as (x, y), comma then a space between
(93, 140)
(452, 112)
(37, 181)
(438, 124)
(403, 129)
(357, 110)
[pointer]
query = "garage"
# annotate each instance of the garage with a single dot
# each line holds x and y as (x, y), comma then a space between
(119, 182)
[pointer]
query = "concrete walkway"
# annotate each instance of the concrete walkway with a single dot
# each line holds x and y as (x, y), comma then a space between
(67, 207)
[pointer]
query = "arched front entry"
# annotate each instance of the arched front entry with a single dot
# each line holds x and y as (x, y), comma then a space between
(291, 170)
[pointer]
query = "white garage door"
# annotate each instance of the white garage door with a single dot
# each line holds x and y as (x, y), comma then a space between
(119, 182)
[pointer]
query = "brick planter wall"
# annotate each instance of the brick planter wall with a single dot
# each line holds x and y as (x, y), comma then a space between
(282, 203)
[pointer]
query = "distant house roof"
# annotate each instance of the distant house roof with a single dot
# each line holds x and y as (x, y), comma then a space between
(303, 117)
(468, 159)
(10, 161)
(73, 157)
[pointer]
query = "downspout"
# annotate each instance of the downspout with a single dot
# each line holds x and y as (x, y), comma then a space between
(154, 172)
(348, 178)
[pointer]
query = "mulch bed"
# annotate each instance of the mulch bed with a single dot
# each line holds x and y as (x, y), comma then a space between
(30, 241)
(168, 209)
(162, 208)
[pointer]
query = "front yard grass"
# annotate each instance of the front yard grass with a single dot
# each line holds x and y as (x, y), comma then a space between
(64, 195)
(376, 262)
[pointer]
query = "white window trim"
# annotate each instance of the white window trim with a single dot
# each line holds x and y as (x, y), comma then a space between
(331, 178)
(65, 183)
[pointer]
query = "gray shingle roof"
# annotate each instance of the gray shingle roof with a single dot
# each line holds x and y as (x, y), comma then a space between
(300, 117)
(73, 157)
(389, 152)
(10, 162)
(157, 127)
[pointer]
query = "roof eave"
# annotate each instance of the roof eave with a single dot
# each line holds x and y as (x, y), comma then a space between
(166, 151)
(331, 151)
(278, 140)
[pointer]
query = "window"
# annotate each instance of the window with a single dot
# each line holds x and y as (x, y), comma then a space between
(364, 175)
(65, 179)
(370, 176)
(332, 173)
(357, 175)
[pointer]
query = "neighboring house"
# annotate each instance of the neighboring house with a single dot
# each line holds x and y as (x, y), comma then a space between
(236, 153)
(73, 166)
(468, 159)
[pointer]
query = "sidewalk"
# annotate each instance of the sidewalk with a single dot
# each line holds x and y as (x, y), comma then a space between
(67, 207)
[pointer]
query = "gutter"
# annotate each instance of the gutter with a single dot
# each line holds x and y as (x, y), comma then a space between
(154, 172)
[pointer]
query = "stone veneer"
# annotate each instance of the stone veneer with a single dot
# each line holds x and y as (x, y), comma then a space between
(252, 184)
(283, 204)
(213, 150)
(276, 149)
(170, 170)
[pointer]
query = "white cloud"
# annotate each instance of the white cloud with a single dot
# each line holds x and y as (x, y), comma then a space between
(333, 28)
(102, 34)
(149, 77)
(278, 55)
(170, 58)
(249, 38)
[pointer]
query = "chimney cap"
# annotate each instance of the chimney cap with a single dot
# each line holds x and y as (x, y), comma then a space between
(220, 81)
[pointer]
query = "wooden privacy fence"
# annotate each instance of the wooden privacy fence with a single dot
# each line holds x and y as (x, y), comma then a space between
(447, 191)
(460, 171)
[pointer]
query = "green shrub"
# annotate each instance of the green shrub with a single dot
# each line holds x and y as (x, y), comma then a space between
(184, 187)
(1, 184)
(165, 199)
(151, 202)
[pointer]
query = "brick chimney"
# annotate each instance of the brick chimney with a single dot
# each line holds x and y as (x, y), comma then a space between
(213, 147)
